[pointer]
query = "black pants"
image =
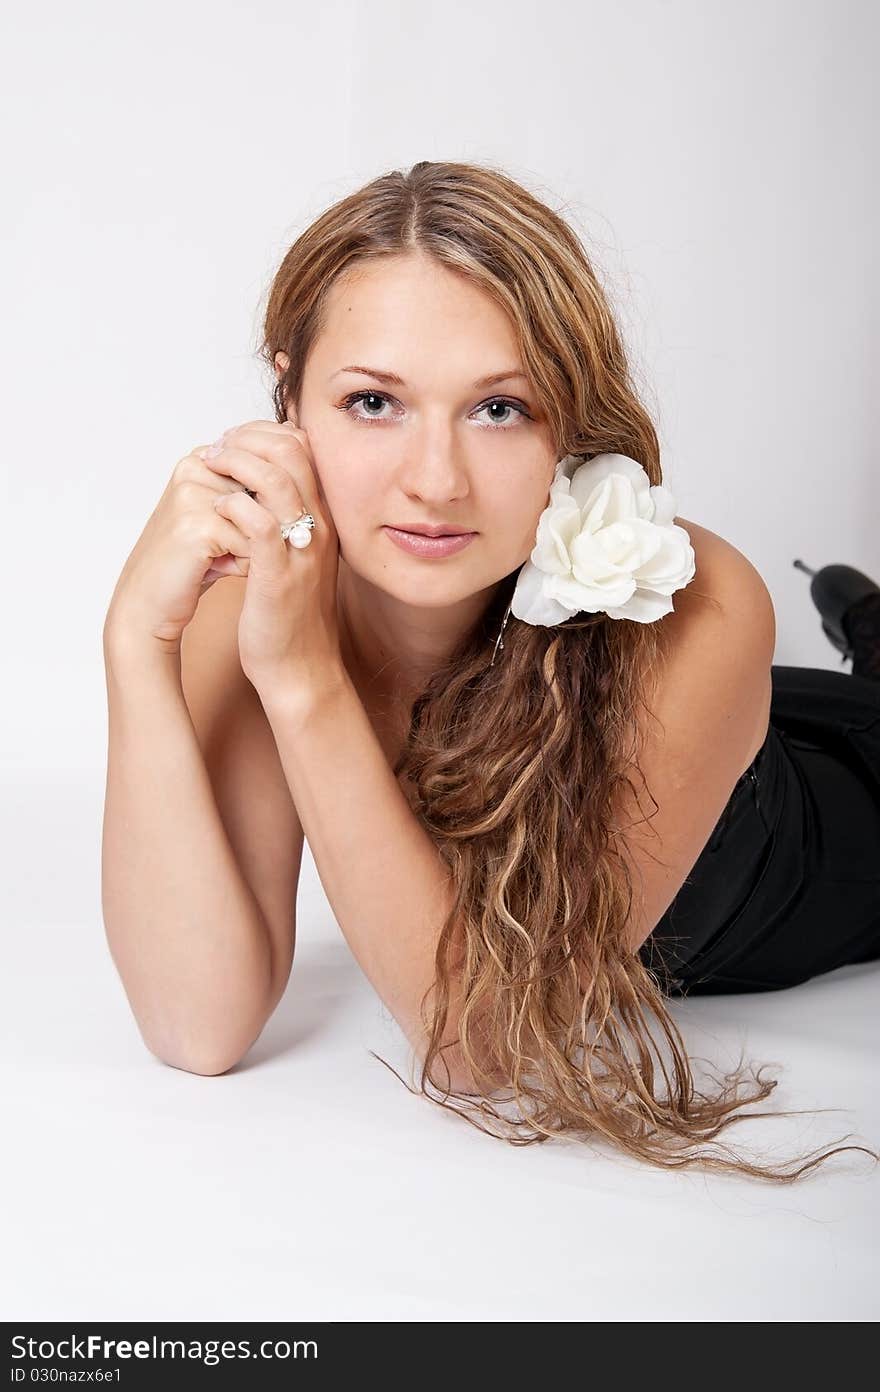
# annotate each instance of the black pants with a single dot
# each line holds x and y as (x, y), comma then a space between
(788, 884)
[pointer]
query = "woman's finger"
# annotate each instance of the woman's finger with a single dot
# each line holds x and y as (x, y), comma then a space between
(273, 485)
(287, 448)
(269, 554)
(193, 466)
(236, 566)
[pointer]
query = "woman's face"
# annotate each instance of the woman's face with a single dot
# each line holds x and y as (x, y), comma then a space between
(436, 448)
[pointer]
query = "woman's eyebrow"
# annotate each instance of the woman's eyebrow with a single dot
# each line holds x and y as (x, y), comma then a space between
(392, 378)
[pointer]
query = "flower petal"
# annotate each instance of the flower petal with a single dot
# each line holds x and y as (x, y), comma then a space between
(592, 471)
(557, 528)
(664, 505)
(606, 542)
(531, 603)
(644, 607)
(591, 598)
(673, 565)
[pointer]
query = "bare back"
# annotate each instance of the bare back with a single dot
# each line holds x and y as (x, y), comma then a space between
(709, 714)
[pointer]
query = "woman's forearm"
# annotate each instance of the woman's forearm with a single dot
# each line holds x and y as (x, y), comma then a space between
(185, 932)
(389, 889)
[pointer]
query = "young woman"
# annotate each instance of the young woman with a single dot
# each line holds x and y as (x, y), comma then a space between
(546, 768)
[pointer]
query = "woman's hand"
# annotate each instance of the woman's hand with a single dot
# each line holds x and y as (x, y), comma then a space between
(182, 551)
(288, 637)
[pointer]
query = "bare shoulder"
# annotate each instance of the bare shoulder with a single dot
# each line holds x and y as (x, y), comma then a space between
(724, 572)
(706, 718)
(722, 633)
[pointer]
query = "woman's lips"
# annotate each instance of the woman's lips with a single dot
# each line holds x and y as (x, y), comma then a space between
(419, 545)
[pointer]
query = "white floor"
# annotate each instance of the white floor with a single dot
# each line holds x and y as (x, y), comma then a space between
(309, 1184)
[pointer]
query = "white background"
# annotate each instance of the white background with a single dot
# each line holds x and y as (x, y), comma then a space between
(720, 164)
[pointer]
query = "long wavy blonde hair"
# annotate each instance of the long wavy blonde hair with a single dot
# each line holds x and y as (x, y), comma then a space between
(513, 766)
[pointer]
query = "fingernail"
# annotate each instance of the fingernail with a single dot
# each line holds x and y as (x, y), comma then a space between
(213, 450)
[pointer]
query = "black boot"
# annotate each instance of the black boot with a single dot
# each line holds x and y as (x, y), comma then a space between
(849, 605)
(862, 622)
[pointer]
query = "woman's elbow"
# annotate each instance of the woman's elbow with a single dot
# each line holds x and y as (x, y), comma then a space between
(206, 1061)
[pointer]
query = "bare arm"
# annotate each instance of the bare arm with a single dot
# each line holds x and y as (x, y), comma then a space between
(389, 889)
(184, 929)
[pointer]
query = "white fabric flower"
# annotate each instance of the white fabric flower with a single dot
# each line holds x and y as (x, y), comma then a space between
(606, 542)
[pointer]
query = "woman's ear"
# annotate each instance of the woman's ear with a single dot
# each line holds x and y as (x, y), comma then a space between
(282, 362)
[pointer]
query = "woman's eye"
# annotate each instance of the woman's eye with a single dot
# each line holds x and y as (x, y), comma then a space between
(379, 399)
(505, 406)
(364, 396)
